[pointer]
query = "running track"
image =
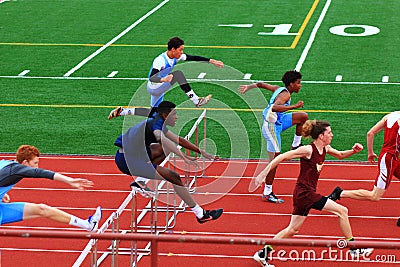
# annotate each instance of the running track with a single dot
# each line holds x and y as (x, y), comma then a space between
(245, 214)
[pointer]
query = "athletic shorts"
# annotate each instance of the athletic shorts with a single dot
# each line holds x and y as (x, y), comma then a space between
(388, 166)
(157, 92)
(303, 211)
(11, 212)
(272, 132)
(136, 167)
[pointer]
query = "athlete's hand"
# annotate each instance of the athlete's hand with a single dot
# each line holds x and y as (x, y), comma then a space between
(371, 157)
(260, 179)
(208, 156)
(243, 89)
(299, 104)
(357, 147)
(6, 198)
(81, 184)
(217, 63)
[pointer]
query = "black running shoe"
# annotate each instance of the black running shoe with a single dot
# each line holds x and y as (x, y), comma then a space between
(209, 215)
(141, 188)
(335, 195)
(398, 222)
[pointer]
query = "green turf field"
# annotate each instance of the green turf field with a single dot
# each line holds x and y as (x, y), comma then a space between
(56, 57)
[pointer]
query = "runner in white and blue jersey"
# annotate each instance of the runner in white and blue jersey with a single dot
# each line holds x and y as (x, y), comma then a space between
(162, 78)
(11, 172)
(277, 119)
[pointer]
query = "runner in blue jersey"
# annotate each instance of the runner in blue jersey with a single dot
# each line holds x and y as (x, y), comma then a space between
(162, 78)
(277, 119)
(145, 145)
(12, 172)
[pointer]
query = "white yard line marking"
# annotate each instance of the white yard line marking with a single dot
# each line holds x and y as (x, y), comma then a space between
(202, 75)
(385, 79)
(247, 76)
(312, 36)
(101, 49)
(24, 73)
(112, 74)
(236, 25)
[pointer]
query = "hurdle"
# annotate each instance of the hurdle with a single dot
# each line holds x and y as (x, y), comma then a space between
(152, 209)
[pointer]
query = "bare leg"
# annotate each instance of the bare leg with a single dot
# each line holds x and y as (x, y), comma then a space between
(175, 179)
(342, 213)
(32, 210)
(362, 194)
(293, 228)
(271, 175)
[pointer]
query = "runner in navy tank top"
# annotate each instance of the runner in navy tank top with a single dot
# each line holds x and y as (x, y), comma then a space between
(305, 197)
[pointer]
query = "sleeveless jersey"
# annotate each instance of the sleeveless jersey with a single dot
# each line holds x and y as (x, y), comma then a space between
(391, 138)
(271, 102)
(310, 169)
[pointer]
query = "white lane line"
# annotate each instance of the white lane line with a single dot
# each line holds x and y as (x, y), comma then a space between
(202, 75)
(193, 80)
(112, 74)
(312, 36)
(101, 49)
(24, 73)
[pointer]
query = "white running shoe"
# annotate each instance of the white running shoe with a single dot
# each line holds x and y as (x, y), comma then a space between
(95, 219)
(115, 113)
(262, 258)
(203, 101)
(361, 252)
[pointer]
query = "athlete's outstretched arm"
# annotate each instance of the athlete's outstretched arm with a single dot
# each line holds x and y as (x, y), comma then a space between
(301, 152)
(244, 88)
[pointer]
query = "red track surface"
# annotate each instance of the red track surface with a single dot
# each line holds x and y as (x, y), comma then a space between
(225, 185)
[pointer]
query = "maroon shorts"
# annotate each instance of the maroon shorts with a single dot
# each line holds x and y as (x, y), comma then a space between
(305, 199)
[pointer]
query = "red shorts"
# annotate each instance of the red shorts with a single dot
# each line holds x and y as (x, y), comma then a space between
(389, 166)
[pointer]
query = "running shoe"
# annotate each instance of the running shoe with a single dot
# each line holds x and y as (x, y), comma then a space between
(271, 197)
(335, 195)
(209, 215)
(141, 188)
(398, 222)
(261, 257)
(361, 252)
(94, 220)
(115, 113)
(203, 101)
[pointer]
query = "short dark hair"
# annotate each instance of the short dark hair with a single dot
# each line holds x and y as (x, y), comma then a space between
(175, 42)
(290, 77)
(165, 107)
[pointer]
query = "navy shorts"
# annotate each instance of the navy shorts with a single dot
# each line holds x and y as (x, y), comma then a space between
(136, 166)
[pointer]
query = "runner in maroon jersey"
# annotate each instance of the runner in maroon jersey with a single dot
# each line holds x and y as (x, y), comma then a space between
(388, 161)
(305, 197)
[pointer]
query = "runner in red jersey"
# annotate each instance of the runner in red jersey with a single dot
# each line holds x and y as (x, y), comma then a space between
(388, 161)
(305, 197)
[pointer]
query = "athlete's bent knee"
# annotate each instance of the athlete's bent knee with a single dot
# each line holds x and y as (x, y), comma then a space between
(42, 209)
